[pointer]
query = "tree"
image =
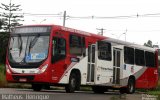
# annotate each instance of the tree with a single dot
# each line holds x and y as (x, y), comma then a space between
(10, 16)
(1, 23)
(4, 36)
(148, 44)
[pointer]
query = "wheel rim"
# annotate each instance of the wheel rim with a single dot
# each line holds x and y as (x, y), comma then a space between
(131, 87)
(73, 82)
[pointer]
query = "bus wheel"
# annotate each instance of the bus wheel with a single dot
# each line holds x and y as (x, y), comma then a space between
(131, 86)
(71, 87)
(98, 89)
(36, 87)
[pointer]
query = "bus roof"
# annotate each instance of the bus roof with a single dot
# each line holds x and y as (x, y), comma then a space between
(58, 27)
(80, 32)
(120, 42)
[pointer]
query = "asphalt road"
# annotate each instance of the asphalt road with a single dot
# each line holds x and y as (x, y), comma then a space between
(29, 94)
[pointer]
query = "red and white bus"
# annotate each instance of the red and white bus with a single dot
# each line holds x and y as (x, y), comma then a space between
(46, 55)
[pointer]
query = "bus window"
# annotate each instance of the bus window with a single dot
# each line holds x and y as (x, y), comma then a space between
(83, 46)
(76, 45)
(139, 57)
(59, 49)
(129, 55)
(104, 50)
(150, 59)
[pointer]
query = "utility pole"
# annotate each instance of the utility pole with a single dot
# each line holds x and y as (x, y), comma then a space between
(9, 20)
(101, 30)
(64, 18)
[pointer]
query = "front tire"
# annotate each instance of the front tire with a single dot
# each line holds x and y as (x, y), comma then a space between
(130, 89)
(37, 87)
(71, 87)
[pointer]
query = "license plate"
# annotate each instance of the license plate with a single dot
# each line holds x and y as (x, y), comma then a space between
(22, 79)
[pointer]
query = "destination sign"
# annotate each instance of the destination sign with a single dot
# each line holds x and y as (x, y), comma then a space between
(34, 29)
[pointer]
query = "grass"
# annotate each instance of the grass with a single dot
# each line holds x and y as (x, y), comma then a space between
(156, 91)
(3, 82)
(85, 88)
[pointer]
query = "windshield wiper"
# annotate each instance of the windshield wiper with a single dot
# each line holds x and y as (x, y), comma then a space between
(11, 47)
(33, 42)
(20, 44)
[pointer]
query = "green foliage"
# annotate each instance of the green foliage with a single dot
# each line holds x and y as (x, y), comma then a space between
(10, 16)
(2, 68)
(3, 82)
(3, 45)
(155, 91)
(148, 44)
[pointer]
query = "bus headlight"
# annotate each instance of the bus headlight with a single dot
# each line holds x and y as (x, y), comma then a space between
(43, 69)
(7, 69)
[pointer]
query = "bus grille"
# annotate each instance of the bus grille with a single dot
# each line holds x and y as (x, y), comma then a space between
(28, 78)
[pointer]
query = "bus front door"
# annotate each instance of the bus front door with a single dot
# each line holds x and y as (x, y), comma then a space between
(91, 64)
(116, 66)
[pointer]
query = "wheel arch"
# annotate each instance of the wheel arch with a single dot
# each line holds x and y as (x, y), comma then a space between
(78, 73)
(131, 84)
(132, 77)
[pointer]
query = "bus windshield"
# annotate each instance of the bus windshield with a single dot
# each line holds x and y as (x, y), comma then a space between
(28, 49)
(31, 47)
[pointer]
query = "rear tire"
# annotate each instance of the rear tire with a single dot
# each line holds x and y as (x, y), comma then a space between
(130, 89)
(36, 87)
(71, 87)
(131, 86)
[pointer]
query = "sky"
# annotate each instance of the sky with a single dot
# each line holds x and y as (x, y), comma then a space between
(137, 29)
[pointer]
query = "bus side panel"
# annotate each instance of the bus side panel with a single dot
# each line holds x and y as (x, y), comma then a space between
(152, 73)
(149, 77)
(81, 66)
(152, 77)
(60, 66)
(137, 72)
(141, 81)
(104, 72)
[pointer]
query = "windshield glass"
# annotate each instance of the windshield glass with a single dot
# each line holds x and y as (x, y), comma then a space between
(28, 49)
